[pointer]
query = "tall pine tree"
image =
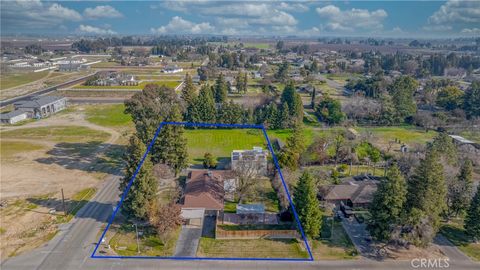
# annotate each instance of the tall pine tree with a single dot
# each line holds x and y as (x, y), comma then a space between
(220, 89)
(171, 146)
(472, 221)
(307, 205)
(143, 191)
(188, 91)
(462, 190)
(205, 110)
(387, 204)
(426, 199)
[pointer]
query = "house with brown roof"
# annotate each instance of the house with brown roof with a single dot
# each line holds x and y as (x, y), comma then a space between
(353, 194)
(205, 189)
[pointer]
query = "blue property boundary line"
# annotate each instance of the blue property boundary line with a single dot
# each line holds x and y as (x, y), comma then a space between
(127, 189)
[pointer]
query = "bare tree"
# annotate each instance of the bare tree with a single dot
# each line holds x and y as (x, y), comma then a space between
(246, 172)
(165, 219)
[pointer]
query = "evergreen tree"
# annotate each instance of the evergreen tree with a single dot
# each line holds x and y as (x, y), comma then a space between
(230, 113)
(387, 204)
(402, 91)
(283, 116)
(239, 82)
(220, 89)
(271, 116)
(471, 101)
(426, 199)
(188, 91)
(171, 146)
(463, 189)
(472, 221)
(143, 191)
(290, 156)
(330, 111)
(443, 145)
(245, 83)
(307, 205)
(293, 100)
(205, 110)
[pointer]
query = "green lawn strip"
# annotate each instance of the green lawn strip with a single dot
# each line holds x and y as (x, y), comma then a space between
(109, 115)
(333, 244)
(9, 149)
(16, 79)
(228, 227)
(221, 142)
(124, 241)
(73, 134)
(171, 84)
(456, 234)
(230, 207)
(251, 248)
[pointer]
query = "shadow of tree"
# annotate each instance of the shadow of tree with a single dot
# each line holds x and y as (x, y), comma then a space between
(92, 156)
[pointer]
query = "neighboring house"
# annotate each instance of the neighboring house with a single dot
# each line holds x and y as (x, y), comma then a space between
(172, 69)
(256, 158)
(42, 106)
(459, 140)
(13, 117)
(353, 193)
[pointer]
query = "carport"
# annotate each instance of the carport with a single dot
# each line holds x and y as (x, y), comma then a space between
(193, 216)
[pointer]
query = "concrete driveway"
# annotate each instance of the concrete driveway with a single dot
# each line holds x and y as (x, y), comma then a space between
(187, 242)
(358, 234)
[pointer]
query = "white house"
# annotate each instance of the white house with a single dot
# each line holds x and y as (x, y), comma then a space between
(172, 69)
(42, 106)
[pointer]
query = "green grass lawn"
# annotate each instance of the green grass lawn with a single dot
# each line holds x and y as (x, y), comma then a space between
(251, 248)
(108, 115)
(220, 142)
(456, 234)
(283, 134)
(11, 148)
(58, 134)
(333, 244)
(16, 79)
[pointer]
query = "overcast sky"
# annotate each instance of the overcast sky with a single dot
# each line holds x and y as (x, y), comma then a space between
(302, 18)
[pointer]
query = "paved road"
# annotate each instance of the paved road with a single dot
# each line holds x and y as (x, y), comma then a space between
(358, 234)
(72, 247)
(449, 249)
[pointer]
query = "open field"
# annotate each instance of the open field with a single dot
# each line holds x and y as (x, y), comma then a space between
(221, 142)
(456, 234)
(251, 248)
(16, 79)
(409, 135)
(108, 115)
(57, 134)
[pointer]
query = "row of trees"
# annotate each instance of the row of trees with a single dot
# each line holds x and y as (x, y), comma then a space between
(411, 210)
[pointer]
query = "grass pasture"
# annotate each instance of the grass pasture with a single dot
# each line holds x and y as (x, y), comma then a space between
(16, 79)
(9, 149)
(406, 134)
(57, 134)
(108, 115)
(140, 86)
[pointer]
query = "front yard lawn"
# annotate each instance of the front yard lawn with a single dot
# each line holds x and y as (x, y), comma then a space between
(251, 248)
(333, 244)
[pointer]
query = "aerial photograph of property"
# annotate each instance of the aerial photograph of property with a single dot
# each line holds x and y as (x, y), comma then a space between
(239, 135)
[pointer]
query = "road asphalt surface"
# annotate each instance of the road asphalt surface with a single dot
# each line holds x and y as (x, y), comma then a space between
(72, 247)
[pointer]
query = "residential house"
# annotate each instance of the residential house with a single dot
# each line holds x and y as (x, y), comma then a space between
(256, 159)
(352, 193)
(172, 69)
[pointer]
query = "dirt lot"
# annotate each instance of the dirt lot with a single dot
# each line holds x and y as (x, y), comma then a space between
(40, 158)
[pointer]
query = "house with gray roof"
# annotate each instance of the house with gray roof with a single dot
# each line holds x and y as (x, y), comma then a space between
(13, 117)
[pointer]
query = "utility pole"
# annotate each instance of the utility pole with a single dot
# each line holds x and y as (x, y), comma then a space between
(138, 244)
(63, 204)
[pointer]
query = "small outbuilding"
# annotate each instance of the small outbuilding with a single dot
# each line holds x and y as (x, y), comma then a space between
(13, 117)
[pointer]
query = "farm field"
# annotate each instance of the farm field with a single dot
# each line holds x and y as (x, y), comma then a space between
(406, 134)
(16, 79)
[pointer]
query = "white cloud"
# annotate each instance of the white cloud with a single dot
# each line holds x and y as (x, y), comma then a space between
(294, 7)
(455, 11)
(88, 29)
(32, 15)
(102, 12)
(471, 31)
(437, 28)
(351, 20)
(178, 25)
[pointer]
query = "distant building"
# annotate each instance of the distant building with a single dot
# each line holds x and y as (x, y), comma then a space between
(256, 158)
(70, 65)
(459, 140)
(42, 106)
(13, 117)
(172, 69)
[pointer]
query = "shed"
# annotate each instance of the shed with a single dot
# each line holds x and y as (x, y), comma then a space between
(13, 117)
